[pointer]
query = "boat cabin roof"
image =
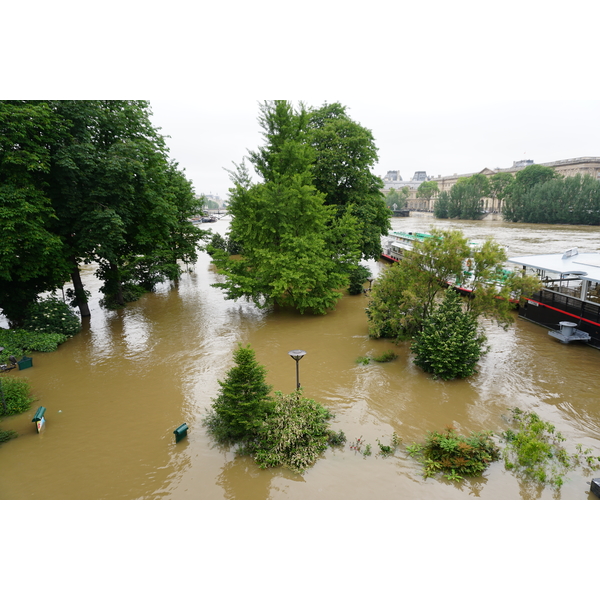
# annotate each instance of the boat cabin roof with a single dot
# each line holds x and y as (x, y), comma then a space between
(583, 266)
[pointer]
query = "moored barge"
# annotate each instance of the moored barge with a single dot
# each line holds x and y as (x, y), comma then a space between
(570, 293)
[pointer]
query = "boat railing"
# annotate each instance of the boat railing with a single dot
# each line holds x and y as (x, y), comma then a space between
(574, 306)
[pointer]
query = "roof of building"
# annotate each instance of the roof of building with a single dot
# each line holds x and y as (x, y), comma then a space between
(585, 266)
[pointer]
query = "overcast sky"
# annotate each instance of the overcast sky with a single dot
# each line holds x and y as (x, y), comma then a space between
(445, 87)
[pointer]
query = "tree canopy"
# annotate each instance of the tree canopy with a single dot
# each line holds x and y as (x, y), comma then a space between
(345, 153)
(403, 297)
(397, 197)
(450, 343)
(303, 228)
(427, 190)
(541, 196)
(88, 182)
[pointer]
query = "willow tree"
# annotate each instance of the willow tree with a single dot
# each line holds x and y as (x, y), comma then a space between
(296, 252)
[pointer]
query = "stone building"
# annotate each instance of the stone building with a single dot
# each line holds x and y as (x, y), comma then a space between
(393, 181)
(588, 165)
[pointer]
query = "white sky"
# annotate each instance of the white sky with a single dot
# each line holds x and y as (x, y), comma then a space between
(445, 87)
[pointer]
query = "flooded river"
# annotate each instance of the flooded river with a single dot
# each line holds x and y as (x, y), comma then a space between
(115, 393)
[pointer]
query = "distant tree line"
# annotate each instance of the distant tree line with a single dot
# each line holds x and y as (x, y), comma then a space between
(537, 194)
(88, 182)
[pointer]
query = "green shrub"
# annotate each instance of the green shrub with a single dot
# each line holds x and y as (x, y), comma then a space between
(336, 439)
(216, 242)
(243, 402)
(449, 345)
(363, 360)
(357, 278)
(455, 456)
(386, 356)
(17, 394)
(294, 433)
(286, 431)
(534, 450)
(7, 435)
(19, 341)
(385, 450)
(52, 316)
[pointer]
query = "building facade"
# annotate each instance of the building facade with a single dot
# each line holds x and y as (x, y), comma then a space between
(588, 165)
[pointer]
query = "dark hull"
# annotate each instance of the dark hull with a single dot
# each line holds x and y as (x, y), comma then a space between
(548, 308)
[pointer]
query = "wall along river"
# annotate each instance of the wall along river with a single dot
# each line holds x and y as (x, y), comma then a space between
(115, 392)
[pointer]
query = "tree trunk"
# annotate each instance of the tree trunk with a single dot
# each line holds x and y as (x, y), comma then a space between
(116, 277)
(80, 296)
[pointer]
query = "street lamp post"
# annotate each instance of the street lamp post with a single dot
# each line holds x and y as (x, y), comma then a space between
(297, 355)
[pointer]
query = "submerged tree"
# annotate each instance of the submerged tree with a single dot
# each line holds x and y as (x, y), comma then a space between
(243, 401)
(82, 182)
(288, 431)
(295, 252)
(403, 297)
(450, 343)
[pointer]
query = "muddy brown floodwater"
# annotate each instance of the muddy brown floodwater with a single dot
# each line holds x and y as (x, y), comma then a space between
(115, 392)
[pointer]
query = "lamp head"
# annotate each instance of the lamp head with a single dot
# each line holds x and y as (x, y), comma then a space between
(296, 354)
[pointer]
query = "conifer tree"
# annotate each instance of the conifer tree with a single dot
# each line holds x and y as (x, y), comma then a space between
(243, 402)
(450, 344)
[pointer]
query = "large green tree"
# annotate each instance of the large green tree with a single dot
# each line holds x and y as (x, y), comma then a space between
(405, 295)
(345, 153)
(119, 201)
(427, 190)
(297, 251)
(499, 186)
(90, 181)
(570, 200)
(32, 259)
(466, 197)
(515, 203)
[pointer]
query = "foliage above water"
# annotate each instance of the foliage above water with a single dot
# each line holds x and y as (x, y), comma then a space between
(52, 316)
(384, 449)
(17, 395)
(88, 181)
(243, 401)
(387, 356)
(7, 435)
(19, 341)
(534, 451)
(455, 456)
(358, 276)
(288, 431)
(316, 211)
(294, 433)
(450, 343)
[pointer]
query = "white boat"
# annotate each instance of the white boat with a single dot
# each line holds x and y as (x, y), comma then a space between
(399, 242)
(569, 302)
